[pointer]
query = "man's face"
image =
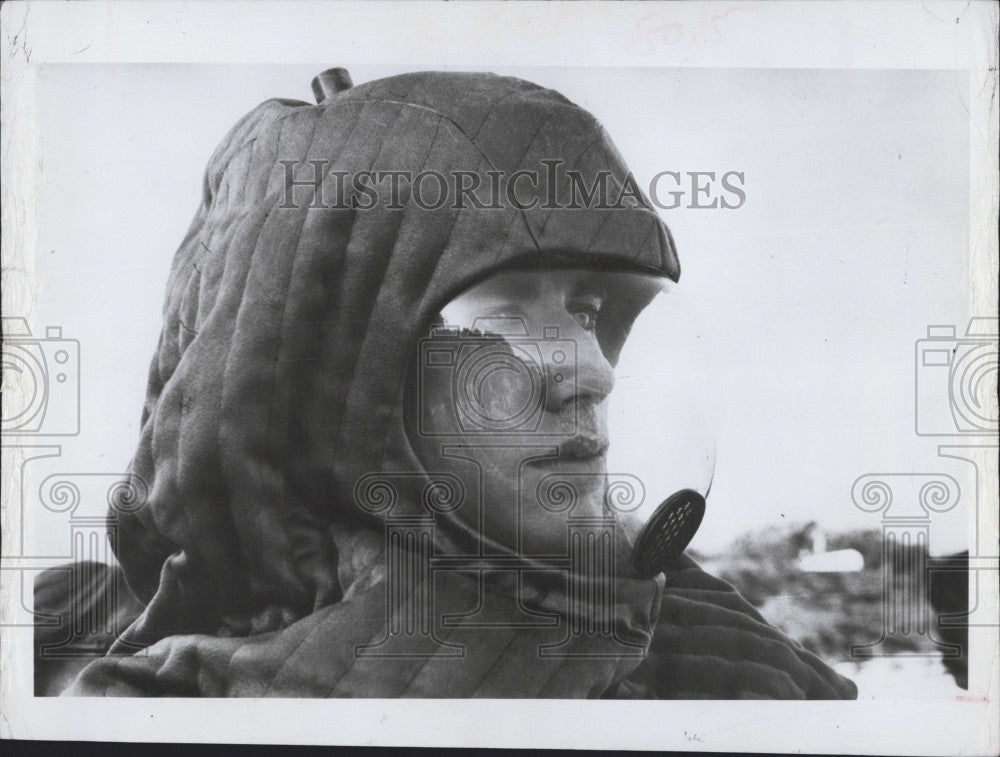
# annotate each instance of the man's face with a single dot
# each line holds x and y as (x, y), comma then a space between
(514, 400)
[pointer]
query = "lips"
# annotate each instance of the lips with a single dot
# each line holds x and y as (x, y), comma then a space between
(583, 447)
(587, 438)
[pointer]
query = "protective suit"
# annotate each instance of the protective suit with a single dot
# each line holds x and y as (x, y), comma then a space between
(279, 385)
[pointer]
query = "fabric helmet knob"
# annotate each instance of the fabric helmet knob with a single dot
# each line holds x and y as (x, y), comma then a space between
(330, 82)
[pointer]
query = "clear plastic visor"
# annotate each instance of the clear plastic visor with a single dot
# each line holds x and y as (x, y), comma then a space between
(572, 393)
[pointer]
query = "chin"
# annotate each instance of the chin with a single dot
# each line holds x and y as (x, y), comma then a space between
(547, 533)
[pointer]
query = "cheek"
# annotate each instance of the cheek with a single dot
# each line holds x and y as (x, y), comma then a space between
(431, 409)
(507, 394)
(490, 389)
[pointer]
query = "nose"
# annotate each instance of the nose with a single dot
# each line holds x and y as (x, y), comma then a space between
(585, 377)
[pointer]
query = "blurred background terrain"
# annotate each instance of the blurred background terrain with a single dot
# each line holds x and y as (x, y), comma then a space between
(826, 592)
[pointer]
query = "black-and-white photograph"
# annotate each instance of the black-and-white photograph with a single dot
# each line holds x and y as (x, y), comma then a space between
(407, 372)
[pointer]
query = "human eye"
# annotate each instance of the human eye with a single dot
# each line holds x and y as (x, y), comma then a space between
(586, 310)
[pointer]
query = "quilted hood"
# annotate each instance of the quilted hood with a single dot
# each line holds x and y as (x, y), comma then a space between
(291, 315)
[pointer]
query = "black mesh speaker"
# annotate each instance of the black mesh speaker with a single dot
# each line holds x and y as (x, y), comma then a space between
(667, 534)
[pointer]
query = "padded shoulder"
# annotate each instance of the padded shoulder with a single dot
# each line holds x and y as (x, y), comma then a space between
(80, 608)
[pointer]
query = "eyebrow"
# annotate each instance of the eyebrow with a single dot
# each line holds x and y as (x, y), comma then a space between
(501, 310)
(522, 286)
(592, 283)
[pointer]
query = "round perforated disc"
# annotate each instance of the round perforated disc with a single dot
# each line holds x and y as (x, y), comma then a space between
(668, 532)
